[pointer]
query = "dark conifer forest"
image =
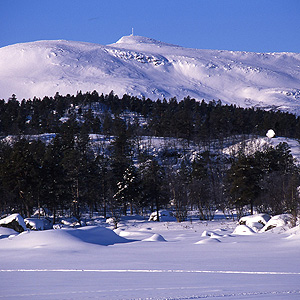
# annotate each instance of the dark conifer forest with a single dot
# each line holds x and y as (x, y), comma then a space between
(185, 118)
(69, 174)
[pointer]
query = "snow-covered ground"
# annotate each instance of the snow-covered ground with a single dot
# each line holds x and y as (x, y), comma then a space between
(141, 66)
(151, 260)
(251, 145)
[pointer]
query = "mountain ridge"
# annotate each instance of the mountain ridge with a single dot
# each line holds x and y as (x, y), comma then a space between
(145, 67)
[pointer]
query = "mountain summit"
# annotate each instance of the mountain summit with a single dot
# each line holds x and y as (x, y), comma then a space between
(146, 67)
(138, 41)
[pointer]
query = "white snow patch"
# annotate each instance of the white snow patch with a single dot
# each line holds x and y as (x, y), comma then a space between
(250, 146)
(270, 134)
(135, 235)
(14, 217)
(164, 215)
(38, 224)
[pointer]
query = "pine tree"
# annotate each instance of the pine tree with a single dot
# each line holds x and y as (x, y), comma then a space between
(152, 183)
(21, 175)
(200, 187)
(55, 191)
(179, 181)
(120, 149)
(243, 182)
(128, 189)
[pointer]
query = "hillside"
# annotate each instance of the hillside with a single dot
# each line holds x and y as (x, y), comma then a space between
(142, 66)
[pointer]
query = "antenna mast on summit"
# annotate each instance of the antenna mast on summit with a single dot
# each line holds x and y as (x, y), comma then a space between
(132, 31)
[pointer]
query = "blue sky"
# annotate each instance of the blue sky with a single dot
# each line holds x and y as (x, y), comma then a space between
(247, 25)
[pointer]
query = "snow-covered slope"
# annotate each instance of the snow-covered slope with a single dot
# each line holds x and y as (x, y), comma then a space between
(145, 67)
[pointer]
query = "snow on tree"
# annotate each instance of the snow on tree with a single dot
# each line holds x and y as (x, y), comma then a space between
(270, 134)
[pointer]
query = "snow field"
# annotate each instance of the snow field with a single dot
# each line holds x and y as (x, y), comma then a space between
(149, 286)
(150, 260)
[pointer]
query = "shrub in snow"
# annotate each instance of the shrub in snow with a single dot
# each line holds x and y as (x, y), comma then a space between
(66, 222)
(164, 215)
(278, 221)
(57, 226)
(70, 222)
(110, 221)
(41, 212)
(255, 222)
(15, 222)
(38, 224)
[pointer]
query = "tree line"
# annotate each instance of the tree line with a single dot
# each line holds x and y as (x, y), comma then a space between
(70, 175)
(187, 118)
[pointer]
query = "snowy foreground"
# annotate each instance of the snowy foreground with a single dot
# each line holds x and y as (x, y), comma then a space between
(151, 260)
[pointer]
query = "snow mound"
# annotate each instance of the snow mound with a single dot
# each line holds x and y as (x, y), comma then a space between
(208, 241)
(96, 235)
(136, 235)
(128, 233)
(255, 222)
(243, 230)
(295, 230)
(155, 238)
(110, 221)
(50, 239)
(210, 234)
(14, 221)
(64, 239)
(282, 221)
(294, 233)
(261, 223)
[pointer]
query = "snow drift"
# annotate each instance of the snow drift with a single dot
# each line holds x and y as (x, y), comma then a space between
(61, 239)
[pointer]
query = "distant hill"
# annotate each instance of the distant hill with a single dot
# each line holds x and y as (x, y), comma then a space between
(142, 66)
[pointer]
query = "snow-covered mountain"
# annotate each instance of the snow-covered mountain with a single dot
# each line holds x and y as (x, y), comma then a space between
(142, 66)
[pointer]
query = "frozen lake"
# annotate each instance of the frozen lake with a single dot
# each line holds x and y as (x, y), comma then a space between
(150, 260)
